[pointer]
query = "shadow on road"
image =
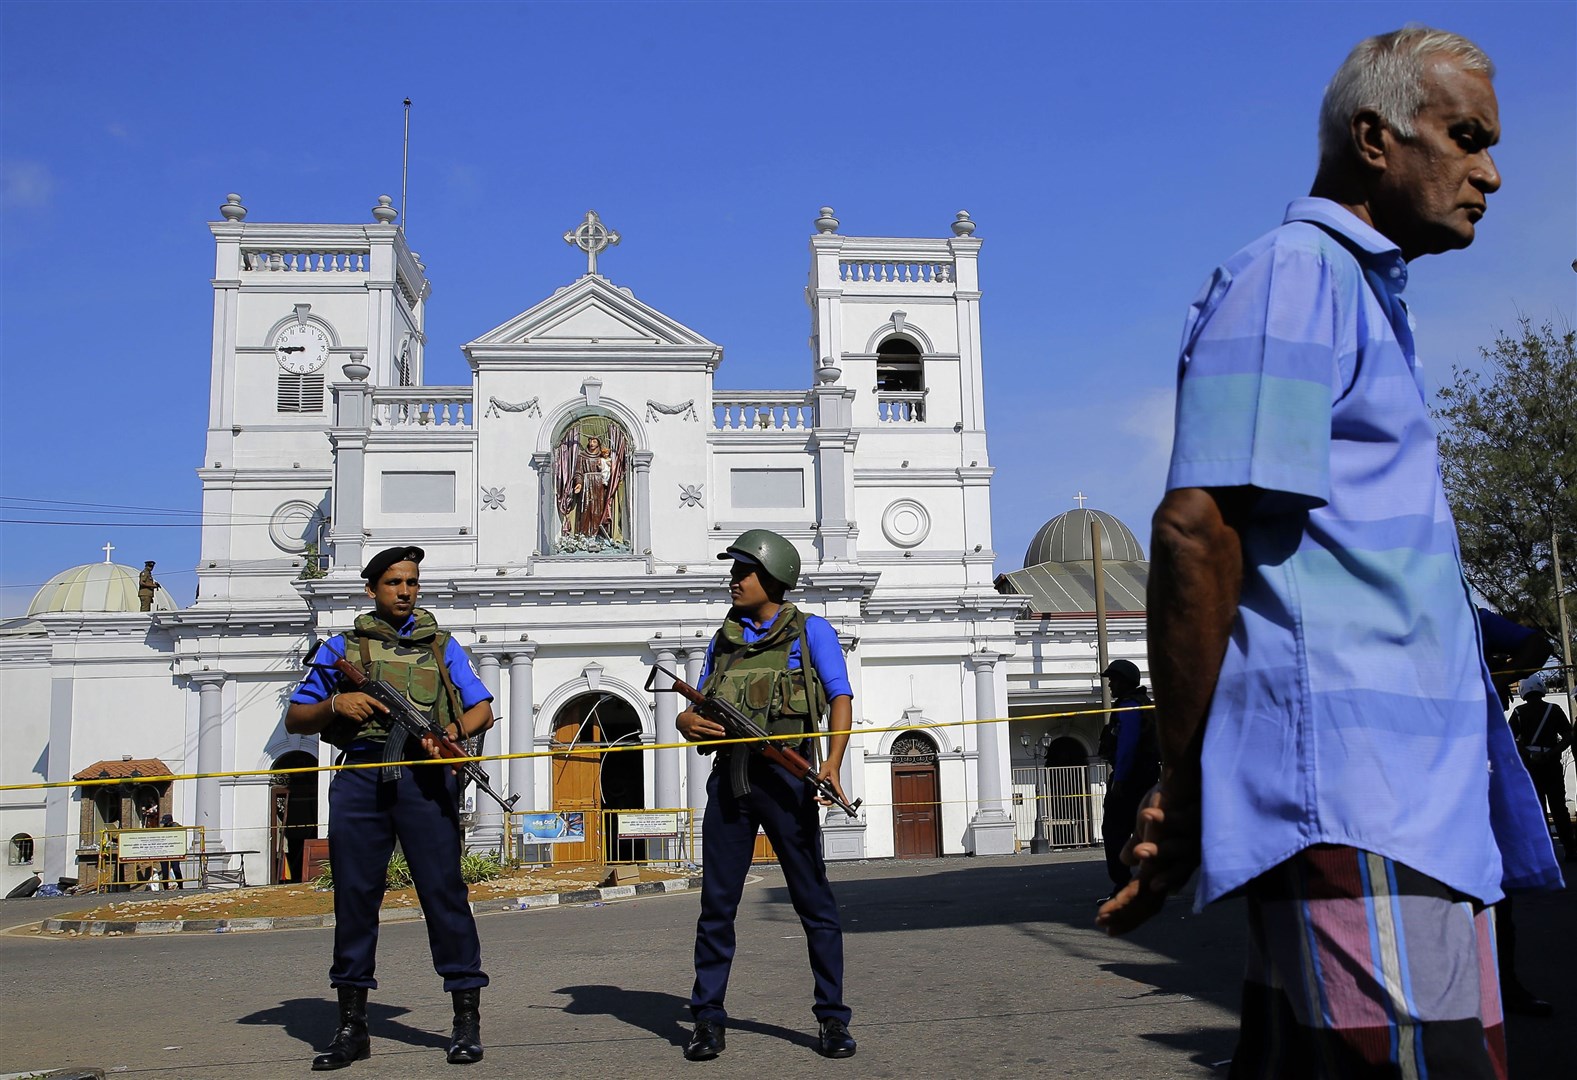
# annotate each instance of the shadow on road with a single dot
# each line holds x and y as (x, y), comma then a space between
(660, 1013)
(311, 1022)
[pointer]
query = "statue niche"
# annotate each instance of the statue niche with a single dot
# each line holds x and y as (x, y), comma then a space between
(590, 462)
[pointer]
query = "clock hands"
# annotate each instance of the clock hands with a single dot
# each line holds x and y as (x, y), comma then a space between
(292, 348)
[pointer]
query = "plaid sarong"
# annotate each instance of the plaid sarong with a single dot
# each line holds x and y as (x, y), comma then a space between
(1362, 967)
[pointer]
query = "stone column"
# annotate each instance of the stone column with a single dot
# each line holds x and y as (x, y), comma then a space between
(348, 437)
(60, 829)
(643, 506)
(542, 465)
(522, 726)
(991, 829)
(488, 832)
(665, 764)
(210, 751)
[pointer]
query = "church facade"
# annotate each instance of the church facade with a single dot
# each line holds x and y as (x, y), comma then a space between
(572, 499)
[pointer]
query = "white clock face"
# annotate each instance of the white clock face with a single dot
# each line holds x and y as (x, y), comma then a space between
(301, 348)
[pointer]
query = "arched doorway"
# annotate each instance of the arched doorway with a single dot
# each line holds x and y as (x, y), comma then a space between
(917, 817)
(589, 783)
(1064, 752)
(293, 818)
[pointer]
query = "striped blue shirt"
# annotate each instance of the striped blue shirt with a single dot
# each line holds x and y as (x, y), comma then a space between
(1353, 706)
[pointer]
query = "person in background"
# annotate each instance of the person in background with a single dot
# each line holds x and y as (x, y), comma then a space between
(171, 867)
(1513, 652)
(146, 586)
(1543, 734)
(1136, 766)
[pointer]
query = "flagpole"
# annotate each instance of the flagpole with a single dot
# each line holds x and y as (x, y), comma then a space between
(405, 165)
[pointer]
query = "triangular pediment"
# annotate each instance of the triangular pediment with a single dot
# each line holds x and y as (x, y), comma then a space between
(593, 311)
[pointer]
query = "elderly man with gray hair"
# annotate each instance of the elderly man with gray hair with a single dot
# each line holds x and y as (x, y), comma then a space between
(1332, 746)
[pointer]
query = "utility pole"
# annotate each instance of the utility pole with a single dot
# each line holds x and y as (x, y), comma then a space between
(1560, 606)
(1100, 616)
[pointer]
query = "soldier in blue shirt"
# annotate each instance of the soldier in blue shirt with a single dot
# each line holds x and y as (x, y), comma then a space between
(370, 808)
(785, 669)
(1331, 744)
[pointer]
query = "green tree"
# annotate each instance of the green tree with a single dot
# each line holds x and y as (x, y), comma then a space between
(1508, 454)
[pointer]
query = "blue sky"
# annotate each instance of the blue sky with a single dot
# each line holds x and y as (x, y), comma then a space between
(1111, 155)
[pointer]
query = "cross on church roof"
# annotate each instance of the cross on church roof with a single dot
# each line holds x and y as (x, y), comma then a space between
(108, 547)
(1079, 498)
(592, 237)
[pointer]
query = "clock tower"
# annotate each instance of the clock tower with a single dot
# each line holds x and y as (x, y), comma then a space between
(293, 305)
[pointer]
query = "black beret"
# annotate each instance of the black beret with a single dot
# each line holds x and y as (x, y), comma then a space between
(388, 557)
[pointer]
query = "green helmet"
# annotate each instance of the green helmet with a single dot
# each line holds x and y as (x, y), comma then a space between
(768, 550)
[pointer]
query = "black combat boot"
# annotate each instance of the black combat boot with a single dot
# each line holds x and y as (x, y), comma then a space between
(350, 1041)
(465, 1043)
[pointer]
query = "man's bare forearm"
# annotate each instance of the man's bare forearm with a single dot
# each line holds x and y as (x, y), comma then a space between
(1196, 577)
(840, 718)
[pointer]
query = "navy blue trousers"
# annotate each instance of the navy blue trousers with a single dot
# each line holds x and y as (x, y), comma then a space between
(366, 815)
(787, 810)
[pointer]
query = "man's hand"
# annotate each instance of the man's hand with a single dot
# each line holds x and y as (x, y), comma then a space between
(357, 706)
(443, 746)
(697, 728)
(829, 773)
(1165, 848)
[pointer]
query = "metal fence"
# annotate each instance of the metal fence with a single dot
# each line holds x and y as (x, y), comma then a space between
(1060, 807)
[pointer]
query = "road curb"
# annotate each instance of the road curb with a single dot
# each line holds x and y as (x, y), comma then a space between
(123, 927)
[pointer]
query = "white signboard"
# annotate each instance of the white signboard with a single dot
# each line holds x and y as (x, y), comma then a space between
(143, 844)
(648, 824)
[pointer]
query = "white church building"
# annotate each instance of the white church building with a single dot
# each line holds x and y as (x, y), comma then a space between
(572, 499)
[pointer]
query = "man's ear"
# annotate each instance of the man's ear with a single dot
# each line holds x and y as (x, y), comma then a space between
(1371, 139)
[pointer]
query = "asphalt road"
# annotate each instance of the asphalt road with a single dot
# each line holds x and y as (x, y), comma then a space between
(958, 968)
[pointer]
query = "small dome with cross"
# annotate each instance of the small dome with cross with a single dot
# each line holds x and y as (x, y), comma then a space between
(1066, 538)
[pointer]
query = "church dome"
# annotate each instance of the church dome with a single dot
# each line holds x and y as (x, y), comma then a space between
(1066, 539)
(101, 586)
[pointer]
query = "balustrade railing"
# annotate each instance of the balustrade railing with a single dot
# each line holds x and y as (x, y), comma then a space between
(762, 411)
(446, 407)
(301, 260)
(907, 271)
(900, 406)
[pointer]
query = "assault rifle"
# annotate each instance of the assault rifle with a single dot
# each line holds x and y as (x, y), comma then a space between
(740, 726)
(413, 722)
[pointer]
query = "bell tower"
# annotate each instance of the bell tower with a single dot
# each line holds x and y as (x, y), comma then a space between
(294, 306)
(895, 324)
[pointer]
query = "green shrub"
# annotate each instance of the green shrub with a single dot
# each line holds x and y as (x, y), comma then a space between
(474, 867)
(480, 866)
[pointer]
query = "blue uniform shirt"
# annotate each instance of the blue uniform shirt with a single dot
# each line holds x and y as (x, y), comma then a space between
(1353, 705)
(826, 655)
(319, 682)
(1129, 722)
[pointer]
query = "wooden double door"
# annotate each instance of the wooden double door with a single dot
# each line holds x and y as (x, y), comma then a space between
(917, 816)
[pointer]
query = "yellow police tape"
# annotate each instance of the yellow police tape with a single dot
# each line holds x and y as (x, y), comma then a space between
(559, 752)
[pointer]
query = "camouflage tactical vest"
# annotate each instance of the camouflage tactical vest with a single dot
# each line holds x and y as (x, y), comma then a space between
(755, 675)
(412, 665)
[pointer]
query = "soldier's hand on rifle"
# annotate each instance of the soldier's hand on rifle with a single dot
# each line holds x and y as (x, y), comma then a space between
(697, 728)
(443, 746)
(356, 706)
(829, 773)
